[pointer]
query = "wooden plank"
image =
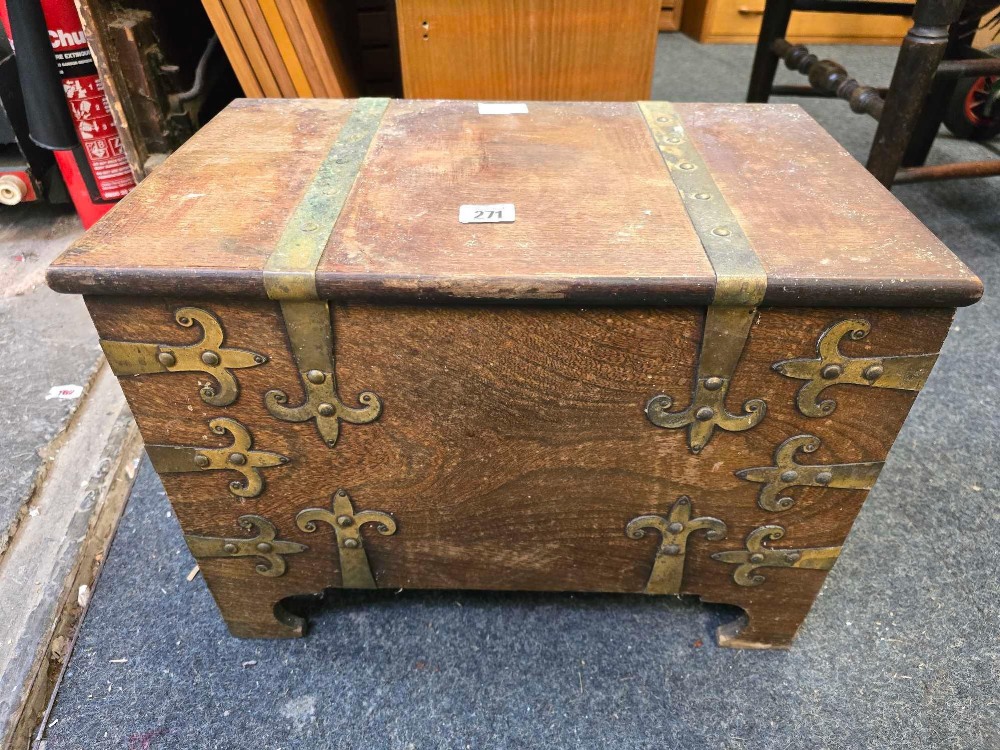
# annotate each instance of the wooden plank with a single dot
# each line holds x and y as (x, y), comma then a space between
(289, 53)
(234, 49)
(314, 20)
(298, 39)
(254, 53)
(275, 60)
(95, 26)
(599, 50)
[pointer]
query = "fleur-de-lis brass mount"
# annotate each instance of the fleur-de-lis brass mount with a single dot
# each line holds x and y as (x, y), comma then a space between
(355, 572)
(788, 473)
(674, 529)
(176, 459)
(127, 358)
(726, 331)
(756, 555)
(907, 372)
(311, 336)
(264, 545)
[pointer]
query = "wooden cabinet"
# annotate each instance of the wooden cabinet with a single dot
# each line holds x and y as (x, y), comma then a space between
(738, 22)
(600, 50)
(670, 15)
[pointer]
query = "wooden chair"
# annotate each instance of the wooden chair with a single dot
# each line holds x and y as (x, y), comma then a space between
(934, 54)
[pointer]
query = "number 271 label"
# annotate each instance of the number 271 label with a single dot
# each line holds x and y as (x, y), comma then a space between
(486, 214)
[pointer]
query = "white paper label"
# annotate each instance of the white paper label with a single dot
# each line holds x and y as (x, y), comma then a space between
(503, 108)
(64, 391)
(486, 214)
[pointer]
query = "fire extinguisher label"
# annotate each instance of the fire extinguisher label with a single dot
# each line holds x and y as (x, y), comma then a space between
(87, 102)
(99, 136)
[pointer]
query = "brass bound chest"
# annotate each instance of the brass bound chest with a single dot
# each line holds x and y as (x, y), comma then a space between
(596, 347)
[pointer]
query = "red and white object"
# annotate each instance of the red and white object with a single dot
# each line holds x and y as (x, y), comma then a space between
(94, 168)
(87, 103)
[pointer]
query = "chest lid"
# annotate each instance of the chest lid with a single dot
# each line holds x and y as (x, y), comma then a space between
(614, 203)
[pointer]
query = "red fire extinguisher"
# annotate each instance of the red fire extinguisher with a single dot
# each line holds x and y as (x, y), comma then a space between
(59, 74)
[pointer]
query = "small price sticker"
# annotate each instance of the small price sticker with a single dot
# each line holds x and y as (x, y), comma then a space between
(486, 214)
(503, 108)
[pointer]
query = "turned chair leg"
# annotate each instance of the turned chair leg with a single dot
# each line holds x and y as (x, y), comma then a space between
(930, 120)
(921, 52)
(765, 62)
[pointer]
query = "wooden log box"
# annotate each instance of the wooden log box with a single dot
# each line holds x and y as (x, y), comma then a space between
(672, 360)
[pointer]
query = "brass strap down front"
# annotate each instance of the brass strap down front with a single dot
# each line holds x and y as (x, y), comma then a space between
(740, 285)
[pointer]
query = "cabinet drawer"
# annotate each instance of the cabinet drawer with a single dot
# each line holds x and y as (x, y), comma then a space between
(739, 21)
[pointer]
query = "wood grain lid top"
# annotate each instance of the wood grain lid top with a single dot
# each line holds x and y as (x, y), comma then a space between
(598, 219)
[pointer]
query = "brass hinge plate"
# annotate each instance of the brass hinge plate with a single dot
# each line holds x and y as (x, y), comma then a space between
(310, 333)
(726, 332)
(239, 457)
(907, 372)
(355, 572)
(756, 555)
(787, 472)
(674, 528)
(264, 545)
(128, 358)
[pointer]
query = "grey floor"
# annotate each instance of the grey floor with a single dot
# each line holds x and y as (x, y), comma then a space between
(901, 649)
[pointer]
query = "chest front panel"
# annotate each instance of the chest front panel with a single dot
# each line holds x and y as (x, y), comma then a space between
(512, 448)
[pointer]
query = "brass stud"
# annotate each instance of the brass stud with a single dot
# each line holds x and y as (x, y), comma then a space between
(310, 227)
(344, 520)
(789, 476)
(663, 119)
(793, 557)
(230, 548)
(264, 547)
(824, 477)
(351, 543)
(702, 196)
(201, 460)
(686, 166)
(237, 459)
(831, 372)
(713, 383)
(166, 359)
(326, 410)
(671, 549)
(704, 414)
(874, 372)
(675, 139)
(756, 557)
(721, 232)
(315, 377)
(675, 528)
(210, 358)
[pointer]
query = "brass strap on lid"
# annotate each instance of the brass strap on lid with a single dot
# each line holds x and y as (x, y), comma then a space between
(741, 279)
(290, 271)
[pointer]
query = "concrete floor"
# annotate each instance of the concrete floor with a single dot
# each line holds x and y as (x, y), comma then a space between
(47, 340)
(902, 647)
